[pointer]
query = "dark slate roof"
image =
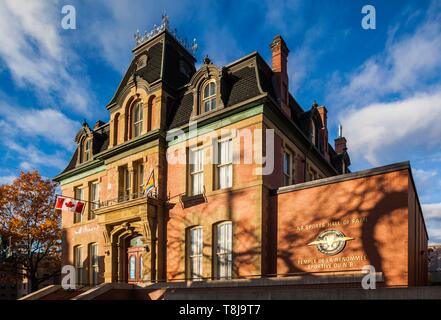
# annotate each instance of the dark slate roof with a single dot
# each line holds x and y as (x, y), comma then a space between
(100, 143)
(182, 111)
(172, 74)
(242, 80)
(237, 86)
(243, 86)
(266, 82)
(101, 139)
(151, 72)
(72, 162)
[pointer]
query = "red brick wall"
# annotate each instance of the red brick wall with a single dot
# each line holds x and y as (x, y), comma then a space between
(382, 200)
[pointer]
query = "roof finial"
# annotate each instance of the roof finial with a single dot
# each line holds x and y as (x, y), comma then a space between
(340, 130)
(207, 59)
(165, 20)
(315, 104)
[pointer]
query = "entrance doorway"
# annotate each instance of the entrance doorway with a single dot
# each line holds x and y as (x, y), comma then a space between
(135, 261)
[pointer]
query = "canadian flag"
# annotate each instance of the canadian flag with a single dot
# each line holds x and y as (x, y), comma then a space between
(69, 204)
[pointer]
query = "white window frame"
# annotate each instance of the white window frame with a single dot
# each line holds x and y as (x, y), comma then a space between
(137, 119)
(78, 217)
(132, 271)
(225, 164)
(210, 99)
(126, 187)
(223, 251)
(94, 263)
(79, 264)
(94, 198)
(195, 245)
(196, 170)
(139, 172)
(87, 147)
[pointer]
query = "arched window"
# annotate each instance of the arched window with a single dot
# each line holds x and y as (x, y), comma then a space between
(223, 251)
(137, 120)
(115, 129)
(209, 96)
(87, 150)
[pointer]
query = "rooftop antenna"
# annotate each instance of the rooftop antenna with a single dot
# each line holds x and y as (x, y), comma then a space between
(340, 131)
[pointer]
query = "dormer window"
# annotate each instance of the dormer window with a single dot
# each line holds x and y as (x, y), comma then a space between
(87, 150)
(209, 96)
(137, 119)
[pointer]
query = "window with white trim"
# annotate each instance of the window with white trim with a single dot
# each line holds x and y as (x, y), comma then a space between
(94, 267)
(132, 267)
(209, 97)
(137, 119)
(78, 195)
(87, 149)
(223, 250)
(139, 178)
(78, 262)
(196, 156)
(94, 199)
(124, 183)
(225, 165)
(194, 253)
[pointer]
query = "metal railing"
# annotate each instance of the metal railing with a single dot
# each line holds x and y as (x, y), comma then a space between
(127, 197)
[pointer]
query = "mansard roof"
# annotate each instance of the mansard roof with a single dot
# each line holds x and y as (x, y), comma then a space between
(240, 81)
(163, 58)
(245, 79)
(100, 141)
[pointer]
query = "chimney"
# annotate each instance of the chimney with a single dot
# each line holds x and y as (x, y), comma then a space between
(279, 60)
(340, 142)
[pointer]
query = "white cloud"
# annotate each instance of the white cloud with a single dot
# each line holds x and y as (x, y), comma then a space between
(403, 68)
(432, 210)
(423, 177)
(280, 13)
(432, 216)
(33, 51)
(302, 60)
(375, 130)
(434, 232)
(6, 179)
(31, 157)
(49, 124)
(112, 34)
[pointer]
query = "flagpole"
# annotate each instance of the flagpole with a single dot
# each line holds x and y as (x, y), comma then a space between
(73, 198)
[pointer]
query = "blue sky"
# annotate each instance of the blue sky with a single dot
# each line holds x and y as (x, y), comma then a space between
(383, 85)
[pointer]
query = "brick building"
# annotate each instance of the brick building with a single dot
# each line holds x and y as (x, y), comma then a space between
(289, 206)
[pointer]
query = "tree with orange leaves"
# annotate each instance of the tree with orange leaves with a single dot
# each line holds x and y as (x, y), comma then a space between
(31, 228)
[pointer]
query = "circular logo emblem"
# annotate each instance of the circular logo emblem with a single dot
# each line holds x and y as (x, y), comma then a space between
(330, 242)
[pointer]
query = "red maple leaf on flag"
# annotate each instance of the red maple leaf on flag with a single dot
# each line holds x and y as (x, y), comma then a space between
(69, 204)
